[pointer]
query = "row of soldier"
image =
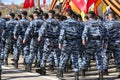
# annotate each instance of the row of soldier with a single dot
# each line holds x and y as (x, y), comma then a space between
(63, 40)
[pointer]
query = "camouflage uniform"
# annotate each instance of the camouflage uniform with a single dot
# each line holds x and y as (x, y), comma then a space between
(26, 48)
(8, 36)
(70, 38)
(2, 27)
(108, 49)
(50, 31)
(19, 31)
(113, 27)
(52, 57)
(32, 31)
(96, 36)
(81, 60)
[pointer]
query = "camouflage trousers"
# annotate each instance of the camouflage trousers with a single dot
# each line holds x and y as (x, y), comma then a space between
(26, 50)
(18, 48)
(50, 48)
(96, 47)
(70, 50)
(82, 58)
(35, 51)
(8, 47)
(1, 53)
(115, 48)
(52, 55)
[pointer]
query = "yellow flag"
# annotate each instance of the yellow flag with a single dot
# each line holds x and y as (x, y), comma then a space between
(104, 8)
(83, 15)
(74, 7)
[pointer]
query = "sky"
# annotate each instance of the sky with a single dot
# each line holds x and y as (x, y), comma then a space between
(20, 1)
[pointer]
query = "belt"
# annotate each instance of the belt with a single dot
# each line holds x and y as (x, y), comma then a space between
(72, 39)
(95, 38)
(51, 37)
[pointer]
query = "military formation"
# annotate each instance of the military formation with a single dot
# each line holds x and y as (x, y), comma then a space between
(64, 42)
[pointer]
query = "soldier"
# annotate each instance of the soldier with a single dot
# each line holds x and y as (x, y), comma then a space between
(83, 58)
(19, 32)
(113, 27)
(107, 49)
(50, 31)
(26, 48)
(79, 18)
(2, 27)
(86, 18)
(19, 17)
(34, 44)
(8, 36)
(51, 56)
(94, 38)
(57, 17)
(45, 16)
(69, 44)
(30, 17)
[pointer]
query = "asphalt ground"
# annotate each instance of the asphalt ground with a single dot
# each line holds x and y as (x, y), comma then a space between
(10, 73)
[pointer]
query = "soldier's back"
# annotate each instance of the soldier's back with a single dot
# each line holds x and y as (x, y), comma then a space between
(52, 28)
(73, 29)
(10, 25)
(37, 23)
(2, 23)
(113, 28)
(23, 23)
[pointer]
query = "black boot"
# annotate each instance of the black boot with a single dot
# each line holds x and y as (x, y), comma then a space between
(24, 63)
(76, 75)
(101, 75)
(2, 61)
(119, 73)
(12, 60)
(51, 67)
(6, 61)
(105, 72)
(16, 64)
(28, 67)
(41, 71)
(60, 74)
(0, 74)
(83, 72)
(66, 69)
(38, 68)
(36, 63)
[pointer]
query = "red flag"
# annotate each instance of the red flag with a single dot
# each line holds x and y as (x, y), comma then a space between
(31, 3)
(67, 6)
(26, 4)
(81, 4)
(44, 2)
(89, 3)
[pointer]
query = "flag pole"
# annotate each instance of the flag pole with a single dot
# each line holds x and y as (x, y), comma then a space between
(38, 3)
